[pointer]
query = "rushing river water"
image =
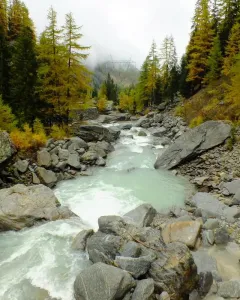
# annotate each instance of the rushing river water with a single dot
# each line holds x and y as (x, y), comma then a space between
(39, 264)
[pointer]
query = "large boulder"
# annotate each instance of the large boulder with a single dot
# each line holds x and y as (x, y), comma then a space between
(80, 241)
(102, 282)
(94, 133)
(141, 216)
(186, 232)
(229, 289)
(175, 271)
(230, 188)
(22, 206)
(194, 142)
(7, 148)
(43, 158)
(144, 290)
(47, 177)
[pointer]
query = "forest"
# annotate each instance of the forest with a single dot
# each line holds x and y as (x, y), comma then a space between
(44, 78)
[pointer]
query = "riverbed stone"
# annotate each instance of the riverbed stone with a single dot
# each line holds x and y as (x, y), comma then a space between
(89, 157)
(186, 232)
(144, 290)
(141, 216)
(159, 132)
(142, 133)
(194, 142)
(80, 241)
(94, 133)
(43, 158)
(131, 249)
(229, 289)
(63, 154)
(54, 159)
(208, 238)
(102, 282)
(22, 165)
(46, 177)
(76, 143)
(211, 224)
(7, 149)
(107, 147)
(175, 271)
(23, 206)
(221, 236)
(101, 162)
(230, 188)
(135, 266)
(205, 282)
(74, 161)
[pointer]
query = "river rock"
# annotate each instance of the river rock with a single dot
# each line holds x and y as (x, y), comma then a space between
(141, 122)
(209, 206)
(111, 224)
(63, 154)
(54, 159)
(102, 282)
(46, 177)
(22, 165)
(95, 148)
(229, 289)
(211, 224)
(194, 142)
(164, 296)
(7, 149)
(230, 188)
(74, 161)
(142, 133)
(159, 132)
(131, 249)
(23, 206)
(103, 247)
(80, 241)
(175, 271)
(236, 198)
(76, 143)
(94, 133)
(135, 266)
(144, 290)
(43, 158)
(101, 162)
(89, 157)
(221, 236)
(186, 232)
(205, 282)
(141, 216)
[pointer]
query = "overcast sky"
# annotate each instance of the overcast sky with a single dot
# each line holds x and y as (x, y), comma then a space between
(123, 29)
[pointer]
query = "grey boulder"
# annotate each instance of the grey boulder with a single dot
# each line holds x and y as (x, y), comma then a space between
(46, 177)
(230, 188)
(102, 282)
(22, 165)
(23, 206)
(80, 241)
(144, 290)
(7, 148)
(141, 216)
(74, 161)
(194, 142)
(229, 289)
(43, 158)
(94, 133)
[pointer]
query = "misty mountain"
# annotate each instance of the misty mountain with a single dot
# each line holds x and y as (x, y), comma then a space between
(124, 73)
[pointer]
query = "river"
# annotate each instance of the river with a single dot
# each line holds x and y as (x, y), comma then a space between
(39, 264)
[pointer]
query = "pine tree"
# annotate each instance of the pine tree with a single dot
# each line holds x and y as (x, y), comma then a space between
(143, 96)
(4, 55)
(52, 70)
(214, 61)
(23, 81)
(200, 44)
(111, 89)
(232, 49)
(77, 76)
(185, 87)
(153, 73)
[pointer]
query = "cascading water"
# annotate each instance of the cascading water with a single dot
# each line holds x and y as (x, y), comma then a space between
(39, 264)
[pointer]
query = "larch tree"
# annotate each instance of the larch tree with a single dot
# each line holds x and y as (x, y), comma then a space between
(200, 44)
(232, 49)
(214, 61)
(143, 96)
(77, 75)
(53, 70)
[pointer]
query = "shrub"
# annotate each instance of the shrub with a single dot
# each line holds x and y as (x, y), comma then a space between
(27, 139)
(7, 119)
(196, 121)
(102, 104)
(58, 132)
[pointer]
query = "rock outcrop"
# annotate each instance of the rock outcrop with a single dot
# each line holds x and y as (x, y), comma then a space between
(194, 142)
(95, 133)
(22, 206)
(7, 148)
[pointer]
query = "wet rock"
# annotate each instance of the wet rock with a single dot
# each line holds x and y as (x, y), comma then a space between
(229, 289)
(142, 133)
(102, 282)
(141, 216)
(76, 143)
(22, 165)
(221, 236)
(135, 266)
(159, 132)
(175, 271)
(101, 162)
(89, 157)
(7, 149)
(94, 133)
(131, 249)
(23, 206)
(47, 177)
(144, 290)
(105, 146)
(43, 158)
(186, 232)
(205, 283)
(103, 247)
(80, 241)
(208, 238)
(74, 161)
(211, 224)
(193, 143)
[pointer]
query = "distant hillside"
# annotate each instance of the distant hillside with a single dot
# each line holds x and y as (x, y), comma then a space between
(124, 74)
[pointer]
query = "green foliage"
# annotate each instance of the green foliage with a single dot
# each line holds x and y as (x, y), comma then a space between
(7, 119)
(214, 61)
(58, 132)
(111, 91)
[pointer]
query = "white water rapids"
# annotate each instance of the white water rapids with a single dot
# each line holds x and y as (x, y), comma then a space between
(39, 264)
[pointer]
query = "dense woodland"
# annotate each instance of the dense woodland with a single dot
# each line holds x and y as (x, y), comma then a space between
(43, 79)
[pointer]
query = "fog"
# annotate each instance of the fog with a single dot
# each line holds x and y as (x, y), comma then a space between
(121, 29)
